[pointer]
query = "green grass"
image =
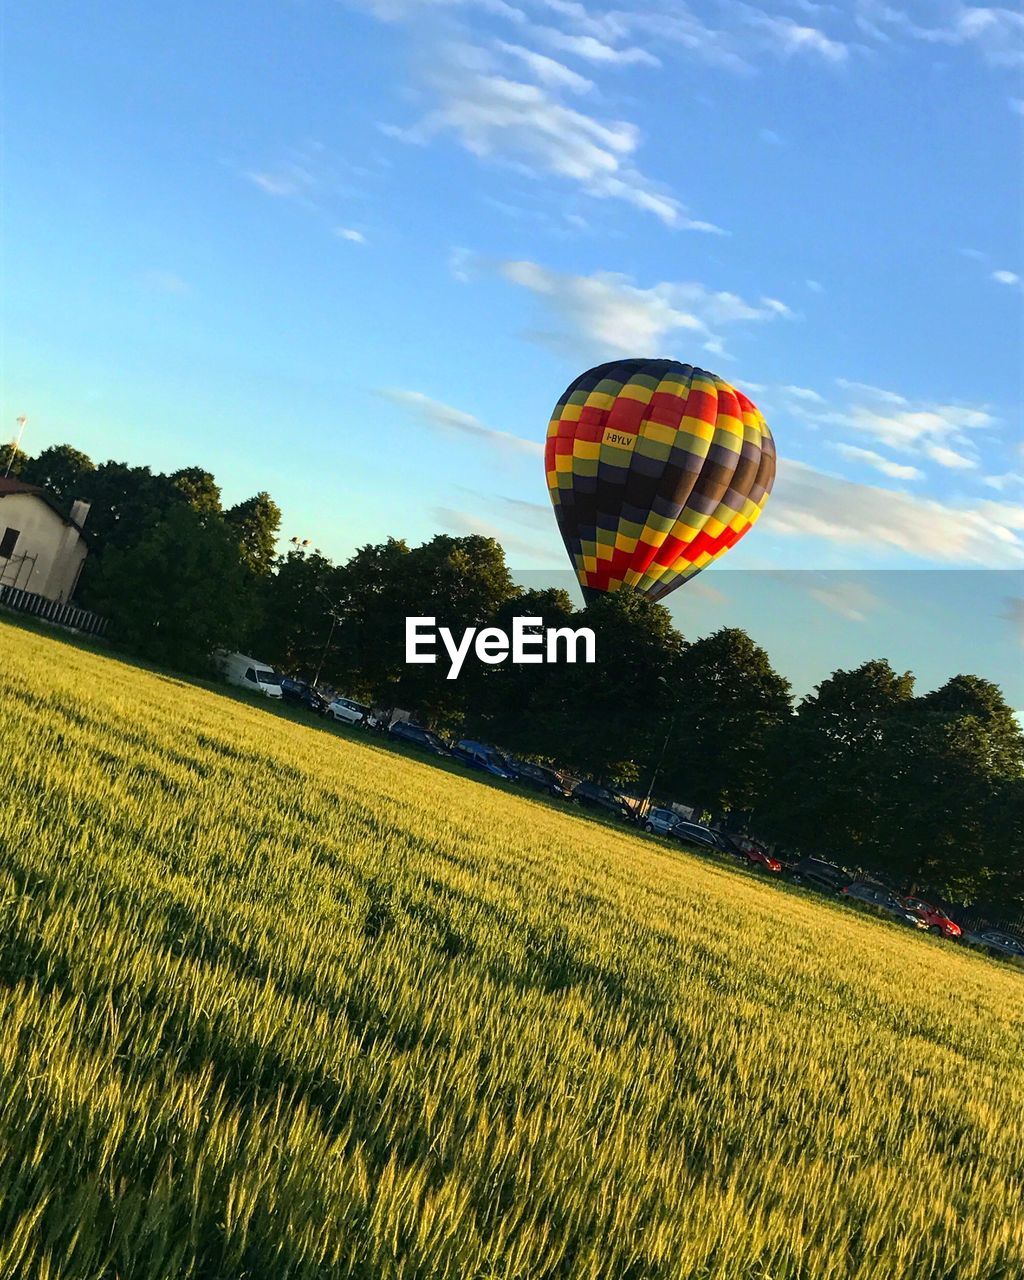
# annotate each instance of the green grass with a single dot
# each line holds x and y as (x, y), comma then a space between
(279, 1002)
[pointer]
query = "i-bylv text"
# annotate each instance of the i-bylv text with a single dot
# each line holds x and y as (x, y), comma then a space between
(530, 642)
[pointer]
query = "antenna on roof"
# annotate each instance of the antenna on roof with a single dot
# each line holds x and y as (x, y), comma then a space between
(15, 443)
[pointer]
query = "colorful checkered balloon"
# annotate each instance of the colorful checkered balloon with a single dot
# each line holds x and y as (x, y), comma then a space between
(655, 469)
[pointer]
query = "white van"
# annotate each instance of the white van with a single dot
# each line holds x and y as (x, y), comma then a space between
(249, 673)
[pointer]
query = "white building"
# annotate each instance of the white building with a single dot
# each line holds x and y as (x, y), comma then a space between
(41, 547)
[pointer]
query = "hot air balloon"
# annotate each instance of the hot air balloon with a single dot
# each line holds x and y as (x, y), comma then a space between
(655, 468)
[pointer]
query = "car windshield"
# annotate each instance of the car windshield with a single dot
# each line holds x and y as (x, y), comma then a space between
(267, 677)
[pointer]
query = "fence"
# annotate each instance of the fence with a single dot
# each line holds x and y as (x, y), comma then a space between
(55, 611)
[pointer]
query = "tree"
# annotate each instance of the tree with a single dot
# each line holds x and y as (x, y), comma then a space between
(10, 453)
(296, 603)
(62, 470)
(608, 718)
(199, 489)
(829, 770)
(256, 523)
(730, 704)
(177, 594)
(126, 503)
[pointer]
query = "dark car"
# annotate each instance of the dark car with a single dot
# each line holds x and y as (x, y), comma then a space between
(482, 756)
(416, 736)
(595, 796)
(541, 778)
(302, 694)
(694, 833)
(820, 875)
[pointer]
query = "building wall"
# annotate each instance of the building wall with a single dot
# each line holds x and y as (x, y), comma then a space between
(48, 555)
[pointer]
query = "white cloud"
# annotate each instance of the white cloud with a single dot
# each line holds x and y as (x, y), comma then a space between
(812, 503)
(804, 393)
(877, 393)
(895, 470)
(593, 49)
(528, 127)
(1006, 277)
(288, 182)
(443, 417)
(350, 233)
(947, 457)
(815, 286)
(997, 33)
(789, 37)
(547, 70)
(614, 314)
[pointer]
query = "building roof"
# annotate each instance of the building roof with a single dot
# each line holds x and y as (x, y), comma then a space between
(10, 485)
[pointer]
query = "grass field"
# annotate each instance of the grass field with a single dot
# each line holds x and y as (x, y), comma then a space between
(279, 1002)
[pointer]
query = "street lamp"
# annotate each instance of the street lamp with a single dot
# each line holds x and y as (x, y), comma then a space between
(664, 747)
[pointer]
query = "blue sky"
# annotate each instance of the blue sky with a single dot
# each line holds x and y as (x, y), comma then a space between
(352, 253)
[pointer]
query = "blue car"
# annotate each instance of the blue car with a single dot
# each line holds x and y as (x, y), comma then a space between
(478, 755)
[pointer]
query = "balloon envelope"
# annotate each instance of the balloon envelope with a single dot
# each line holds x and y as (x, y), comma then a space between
(655, 468)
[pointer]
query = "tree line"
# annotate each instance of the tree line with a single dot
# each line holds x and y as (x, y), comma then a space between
(925, 788)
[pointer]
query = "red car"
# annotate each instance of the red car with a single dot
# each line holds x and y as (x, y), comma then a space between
(937, 921)
(741, 847)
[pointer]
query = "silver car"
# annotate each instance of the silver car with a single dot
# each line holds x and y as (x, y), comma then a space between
(660, 822)
(873, 895)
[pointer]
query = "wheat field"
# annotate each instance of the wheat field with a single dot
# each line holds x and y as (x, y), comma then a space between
(278, 1001)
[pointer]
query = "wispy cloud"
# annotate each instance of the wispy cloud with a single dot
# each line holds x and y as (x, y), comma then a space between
(465, 522)
(895, 470)
(850, 599)
(592, 49)
(351, 234)
(610, 313)
(1006, 277)
(443, 417)
(804, 393)
(811, 503)
(791, 38)
(527, 126)
(997, 33)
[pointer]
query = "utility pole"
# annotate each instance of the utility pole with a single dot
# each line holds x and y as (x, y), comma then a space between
(15, 443)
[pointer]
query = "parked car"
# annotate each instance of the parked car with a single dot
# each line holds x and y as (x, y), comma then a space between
(416, 736)
(541, 778)
(885, 901)
(594, 796)
(661, 822)
(996, 943)
(820, 875)
(482, 756)
(936, 921)
(250, 673)
(749, 852)
(347, 711)
(303, 694)
(695, 833)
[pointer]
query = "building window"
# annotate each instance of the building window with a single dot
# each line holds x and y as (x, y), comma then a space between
(8, 542)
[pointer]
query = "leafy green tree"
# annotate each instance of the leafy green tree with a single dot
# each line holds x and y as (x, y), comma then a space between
(126, 503)
(10, 453)
(61, 469)
(257, 522)
(177, 594)
(828, 763)
(608, 719)
(730, 705)
(296, 604)
(199, 489)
